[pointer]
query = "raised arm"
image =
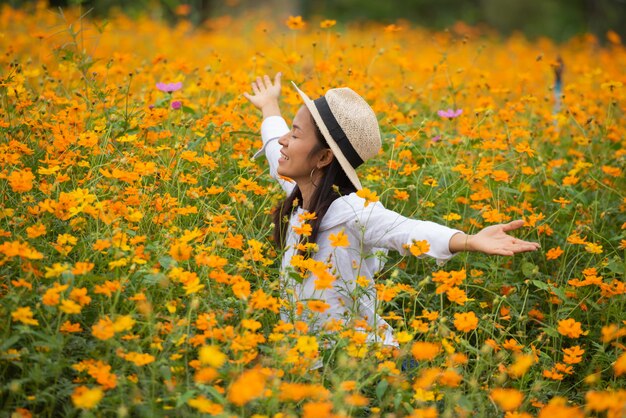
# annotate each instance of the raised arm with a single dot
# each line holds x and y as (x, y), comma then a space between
(266, 94)
(265, 97)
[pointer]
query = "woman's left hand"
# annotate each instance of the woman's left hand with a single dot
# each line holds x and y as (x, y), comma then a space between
(495, 240)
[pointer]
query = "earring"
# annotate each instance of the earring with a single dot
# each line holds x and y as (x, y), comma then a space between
(311, 177)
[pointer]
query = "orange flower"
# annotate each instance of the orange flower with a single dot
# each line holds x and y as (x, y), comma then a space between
(465, 322)
(317, 409)
(422, 350)
(507, 399)
(318, 306)
(36, 231)
(620, 365)
(368, 195)
(339, 240)
(554, 253)
(417, 248)
(69, 327)
(557, 407)
(248, 386)
(295, 23)
(103, 329)
(21, 181)
(573, 355)
(327, 23)
(400, 195)
(304, 230)
(570, 328)
(139, 359)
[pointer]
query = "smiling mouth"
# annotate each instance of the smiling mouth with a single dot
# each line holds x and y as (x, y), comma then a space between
(284, 156)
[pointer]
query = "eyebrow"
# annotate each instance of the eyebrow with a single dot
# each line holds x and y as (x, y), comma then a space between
(297, 127)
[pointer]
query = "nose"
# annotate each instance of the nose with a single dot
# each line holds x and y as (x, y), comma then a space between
(283, 139)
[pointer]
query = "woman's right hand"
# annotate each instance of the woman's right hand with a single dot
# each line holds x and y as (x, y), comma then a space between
(266, 94)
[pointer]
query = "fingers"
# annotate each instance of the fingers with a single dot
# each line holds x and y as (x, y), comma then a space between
(511, 226)
(255, 88)
(278, 77)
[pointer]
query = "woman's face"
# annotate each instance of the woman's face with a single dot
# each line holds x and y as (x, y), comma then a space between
(297, 160)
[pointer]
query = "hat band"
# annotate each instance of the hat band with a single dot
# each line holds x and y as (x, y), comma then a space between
(337, 133)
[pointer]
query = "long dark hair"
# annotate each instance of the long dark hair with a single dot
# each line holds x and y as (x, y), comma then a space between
(334, 183)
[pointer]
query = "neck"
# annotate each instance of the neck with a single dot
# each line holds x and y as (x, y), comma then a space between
(307, 189)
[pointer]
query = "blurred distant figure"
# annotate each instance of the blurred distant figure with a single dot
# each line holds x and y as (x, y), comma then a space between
(558, 83)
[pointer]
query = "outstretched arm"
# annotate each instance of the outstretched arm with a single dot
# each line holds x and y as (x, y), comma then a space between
(266, 94)
(493, 240)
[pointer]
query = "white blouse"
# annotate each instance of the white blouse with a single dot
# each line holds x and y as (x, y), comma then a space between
(371, 231)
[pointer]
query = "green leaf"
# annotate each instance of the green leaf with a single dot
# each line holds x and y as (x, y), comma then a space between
(551, 332)
(541, 285)
(529, 269)
(295, 276)
(381, 388)
(167, 261)
(182, 400)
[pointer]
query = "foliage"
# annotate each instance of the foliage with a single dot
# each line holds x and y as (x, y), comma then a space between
(136, 268)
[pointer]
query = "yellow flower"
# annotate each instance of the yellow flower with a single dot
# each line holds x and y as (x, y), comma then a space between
(307, 345)
(327, 23)
(205, 406)
(123, 323)
(593, 248)
(452, 217)
(70, 307)
(212, 356)
(24, 315)
(521, 365)
(85, 398)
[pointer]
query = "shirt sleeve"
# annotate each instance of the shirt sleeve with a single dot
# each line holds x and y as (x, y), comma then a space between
(272, 128)
(384, 228)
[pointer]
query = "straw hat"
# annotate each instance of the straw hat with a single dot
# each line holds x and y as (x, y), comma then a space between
(349, 126)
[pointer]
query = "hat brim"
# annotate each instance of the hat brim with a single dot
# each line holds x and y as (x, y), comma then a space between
(343, 162)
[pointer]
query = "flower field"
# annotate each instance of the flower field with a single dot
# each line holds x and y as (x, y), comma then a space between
(137, 272)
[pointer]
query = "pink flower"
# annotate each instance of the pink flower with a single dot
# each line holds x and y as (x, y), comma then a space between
(450, 114)
(176, 104)
(169, 87)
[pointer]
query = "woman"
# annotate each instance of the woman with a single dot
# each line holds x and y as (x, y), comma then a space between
(330, 137)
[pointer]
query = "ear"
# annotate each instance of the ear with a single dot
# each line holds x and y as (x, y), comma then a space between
(326, 157)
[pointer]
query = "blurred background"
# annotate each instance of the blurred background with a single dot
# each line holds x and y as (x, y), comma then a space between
(556, 19)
